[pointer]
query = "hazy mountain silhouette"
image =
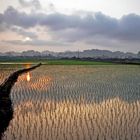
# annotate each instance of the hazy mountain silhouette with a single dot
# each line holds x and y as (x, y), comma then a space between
(94, 53)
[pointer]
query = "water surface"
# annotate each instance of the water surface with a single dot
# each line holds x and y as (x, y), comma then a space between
(75, 103)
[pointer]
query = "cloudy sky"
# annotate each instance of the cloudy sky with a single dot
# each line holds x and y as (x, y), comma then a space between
(60, 25)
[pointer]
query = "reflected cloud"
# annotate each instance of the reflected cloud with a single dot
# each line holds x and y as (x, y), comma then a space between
(77, 102)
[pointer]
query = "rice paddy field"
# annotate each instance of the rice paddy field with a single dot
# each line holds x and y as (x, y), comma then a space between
(93, 102)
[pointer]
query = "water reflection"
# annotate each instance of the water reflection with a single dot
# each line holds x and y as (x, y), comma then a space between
(77, 103)
(6, 109)
(112, 119)
(28, 76)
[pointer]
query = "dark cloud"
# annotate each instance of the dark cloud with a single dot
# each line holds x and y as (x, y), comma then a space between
(24, 33)
(12, 17)
(59, 21)
(129, 28)
(75, 27)
(1, 18)
(3, 26)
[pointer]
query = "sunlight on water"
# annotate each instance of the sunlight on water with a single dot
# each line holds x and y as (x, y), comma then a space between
(28, 77)
(76, 103)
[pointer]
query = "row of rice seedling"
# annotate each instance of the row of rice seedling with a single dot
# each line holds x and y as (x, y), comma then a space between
(111, 119)
(77, 102)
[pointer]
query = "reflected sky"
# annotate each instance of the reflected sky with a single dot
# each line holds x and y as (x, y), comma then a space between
(92, 83)
(77, 102)
(110, 119)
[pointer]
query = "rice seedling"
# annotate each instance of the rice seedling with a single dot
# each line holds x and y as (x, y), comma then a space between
(75, 103)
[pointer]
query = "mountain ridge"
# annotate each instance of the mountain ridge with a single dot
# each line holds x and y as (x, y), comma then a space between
(93, 53)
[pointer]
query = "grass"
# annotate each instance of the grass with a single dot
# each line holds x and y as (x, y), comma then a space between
(74, 62)
(56, 62)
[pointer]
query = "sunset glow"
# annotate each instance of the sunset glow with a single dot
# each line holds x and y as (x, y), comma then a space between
(57, 26)
(69, 70)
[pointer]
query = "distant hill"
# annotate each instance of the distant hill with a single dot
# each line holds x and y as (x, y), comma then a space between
(94, 53)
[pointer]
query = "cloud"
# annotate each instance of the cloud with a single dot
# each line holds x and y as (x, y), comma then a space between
(129, 28)
(75, 27)
(30, 3)
(24, 33)
(51, 7)
(35, 42)
(12, 17)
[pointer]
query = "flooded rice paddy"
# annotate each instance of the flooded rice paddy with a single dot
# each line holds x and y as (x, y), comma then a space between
(75, 103)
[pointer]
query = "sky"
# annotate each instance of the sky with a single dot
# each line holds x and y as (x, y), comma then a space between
(62, 25)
